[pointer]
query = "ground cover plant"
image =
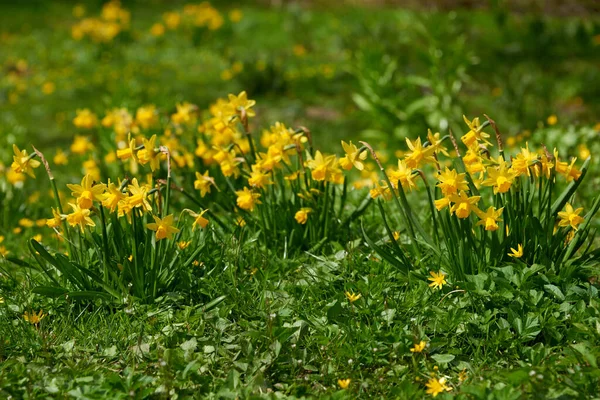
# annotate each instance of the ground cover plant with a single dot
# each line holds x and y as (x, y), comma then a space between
(164, 243)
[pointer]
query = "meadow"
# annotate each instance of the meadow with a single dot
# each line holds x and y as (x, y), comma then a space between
(299, 200)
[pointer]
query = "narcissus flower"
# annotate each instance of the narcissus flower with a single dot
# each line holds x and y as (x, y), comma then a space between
(55, 221)
(570, 216)
(475, 133)
(516, 253)
(352, 157)
(149, 154)
(34, 318)
(236, 103)
(258, 178)
(438, 279)
(113, 196)
(199, 220)
(500, 178)
(22, 163)
(463, 205)
(418, 154)
(489, 218)
(451, 182)
(203, 183)
(163, 227)
(85, 119)
(321, 166)
(436, 386)
(87, 192)
(344, 383)
(246, 199)
(79, 217)
(404, 175)
(147, 116)
(302, 215)
(419, 347)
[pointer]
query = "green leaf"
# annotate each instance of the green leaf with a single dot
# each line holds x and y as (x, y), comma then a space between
(50, 291)
(555, 291)
(587, 355)
(443, 358)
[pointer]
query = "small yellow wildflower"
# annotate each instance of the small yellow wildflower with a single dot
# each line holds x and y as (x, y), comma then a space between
(85, 119)
(489, 218)
(352, 157)
(344, 383)
(438, 280)
(419, 347)
(22, 163)
(183, 244)
(436, 386)
(516, 253)
(463, 205)
(353, 297)
(246, 199)
(87, 192)
(552, 120)
(199, 219)
(34, 318)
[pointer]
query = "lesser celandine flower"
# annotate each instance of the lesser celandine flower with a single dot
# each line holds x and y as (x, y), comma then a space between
(344, 383)
(570, 217)
(246, 199)
(164, 227)
(34, 318)
(86, 193)
(79, 217)
(438, 279)
(352, 297)
(22, 163)
(436, 386)
(418, 347)
(516, 253)
(302, 215)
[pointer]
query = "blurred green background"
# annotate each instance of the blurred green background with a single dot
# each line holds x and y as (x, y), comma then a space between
(377, 70)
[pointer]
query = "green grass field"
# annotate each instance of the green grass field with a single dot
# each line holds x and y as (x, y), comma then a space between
(248, 201)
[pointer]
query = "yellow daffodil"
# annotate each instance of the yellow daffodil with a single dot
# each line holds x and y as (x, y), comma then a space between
(352, 157)
(321, 166)
(146, 117)
(489, 218)
(23, 163)
(258, 179)
(438, 279)
(85, 119)
(163, 227)
(246, 199)
(79, 217)
(451, 182)
(500, 178)
(149, 154)
(113, 196)
(302, 215)
(463, 205)
(199, 219)
(570, 217)
(418, 154)
(403, 175)
(475, 133)
(55, 221)
(87, 192)
(239, 102)
(203, 183)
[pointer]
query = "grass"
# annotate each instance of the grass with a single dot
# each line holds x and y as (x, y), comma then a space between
(274, 307)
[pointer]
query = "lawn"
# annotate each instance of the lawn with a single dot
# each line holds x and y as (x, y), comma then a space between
(253, 200)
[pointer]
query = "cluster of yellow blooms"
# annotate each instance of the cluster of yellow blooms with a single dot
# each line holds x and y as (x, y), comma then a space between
(113, 19)
(483, 171)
